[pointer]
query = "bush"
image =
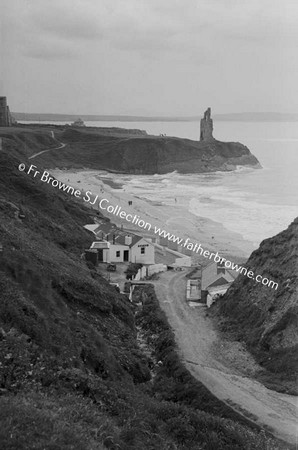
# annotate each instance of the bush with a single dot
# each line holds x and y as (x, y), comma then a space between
(132, 270)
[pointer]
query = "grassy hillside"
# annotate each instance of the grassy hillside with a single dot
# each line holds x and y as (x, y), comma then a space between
(267, 319)
(72, 375)
(24, 141)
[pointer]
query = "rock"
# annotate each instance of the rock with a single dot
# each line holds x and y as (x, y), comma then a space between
(206, 126)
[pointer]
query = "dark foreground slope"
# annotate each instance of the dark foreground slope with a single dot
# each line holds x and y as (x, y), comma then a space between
(138, 153)
(71, 373)
(267, 319)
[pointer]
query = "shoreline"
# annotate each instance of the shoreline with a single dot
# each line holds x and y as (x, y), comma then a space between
(176, 218)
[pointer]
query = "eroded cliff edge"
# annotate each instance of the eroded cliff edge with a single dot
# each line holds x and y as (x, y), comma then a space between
(267, 318)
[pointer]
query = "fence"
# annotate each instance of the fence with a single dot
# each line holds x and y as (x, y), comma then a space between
(148, 271)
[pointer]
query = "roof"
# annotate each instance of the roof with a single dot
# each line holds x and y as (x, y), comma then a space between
(233, 273)
(93, 227)
(219, 282)
(218, 290)
(100, 244)
(163, 257)
(109, 232)
(120, 239)
(210, 276)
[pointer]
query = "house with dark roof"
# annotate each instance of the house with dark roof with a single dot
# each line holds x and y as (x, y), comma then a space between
(216, 279)
(93, 227)
(125, 248)
(114, 245)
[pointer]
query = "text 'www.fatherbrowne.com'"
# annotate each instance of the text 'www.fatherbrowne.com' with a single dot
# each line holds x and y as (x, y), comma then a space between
(198, 249)
(105, 205)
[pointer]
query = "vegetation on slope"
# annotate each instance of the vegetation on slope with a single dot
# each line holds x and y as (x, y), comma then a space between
(23, 141)
(72, 375)
(173, 382)
(267, 319)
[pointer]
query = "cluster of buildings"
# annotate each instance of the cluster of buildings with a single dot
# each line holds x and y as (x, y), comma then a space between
(215, 280)
(112, 245)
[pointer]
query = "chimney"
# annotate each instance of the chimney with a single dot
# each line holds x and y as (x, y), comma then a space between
(128, 239)
(114, 237)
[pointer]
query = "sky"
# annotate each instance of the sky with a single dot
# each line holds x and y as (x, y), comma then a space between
(149, 57)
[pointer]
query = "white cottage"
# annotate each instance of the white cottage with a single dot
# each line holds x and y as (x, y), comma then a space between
(216, 279)
(118, 248)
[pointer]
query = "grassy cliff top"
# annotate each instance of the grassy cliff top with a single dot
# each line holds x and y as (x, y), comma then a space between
(124, 151)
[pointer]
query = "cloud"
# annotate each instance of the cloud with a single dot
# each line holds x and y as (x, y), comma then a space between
(194, 48)
(67, 23)
(151, 26)
(51, 53)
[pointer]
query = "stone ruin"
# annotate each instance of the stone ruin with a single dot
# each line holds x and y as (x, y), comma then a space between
(206, 126)
(5, 117)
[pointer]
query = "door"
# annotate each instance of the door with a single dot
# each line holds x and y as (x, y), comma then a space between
(100, 255)
(126, 255)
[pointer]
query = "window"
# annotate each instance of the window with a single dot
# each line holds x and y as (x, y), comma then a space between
(221, 268)
(118, 254)
(142, 250)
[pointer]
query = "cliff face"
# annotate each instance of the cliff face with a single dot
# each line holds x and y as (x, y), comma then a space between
(146, 154)
(265, 318)
(125, 151)
(186, 156)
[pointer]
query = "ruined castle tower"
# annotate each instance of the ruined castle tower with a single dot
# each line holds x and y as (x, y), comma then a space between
(206, 126)
(5, 117)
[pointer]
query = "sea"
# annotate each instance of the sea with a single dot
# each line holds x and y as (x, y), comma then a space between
(257, 203)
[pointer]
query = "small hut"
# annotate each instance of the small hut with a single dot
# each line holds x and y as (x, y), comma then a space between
(78, 123)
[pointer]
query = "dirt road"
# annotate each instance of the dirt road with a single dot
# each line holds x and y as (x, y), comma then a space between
(200, 348)
(61, 145)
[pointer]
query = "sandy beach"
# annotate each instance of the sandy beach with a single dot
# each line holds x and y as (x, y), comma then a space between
(175, 219)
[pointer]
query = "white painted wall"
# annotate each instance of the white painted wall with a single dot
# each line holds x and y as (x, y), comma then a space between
(156, 268)
(105, 255)
(192, 290)
(137, 257)
(112, 253)
(104, 246)
(146, 271)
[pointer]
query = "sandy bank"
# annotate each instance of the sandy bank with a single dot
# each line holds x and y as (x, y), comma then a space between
(174, 218)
